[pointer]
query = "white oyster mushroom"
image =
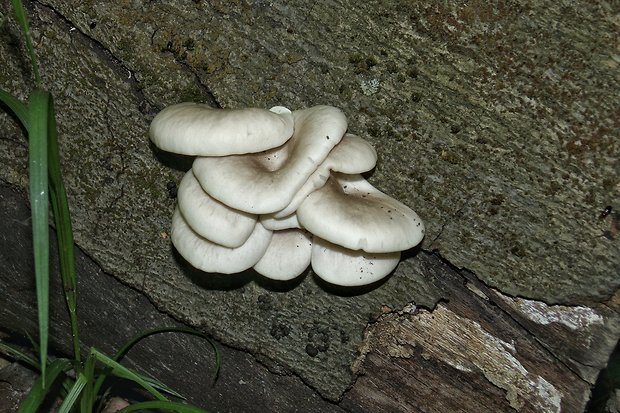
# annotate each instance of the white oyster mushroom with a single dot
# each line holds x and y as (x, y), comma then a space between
(350, 212)
(266, 182)
(287, 256)
(197, 129)
(353, 155)
(210, 218)
(278, 191)
(348, 268)
(210, 257)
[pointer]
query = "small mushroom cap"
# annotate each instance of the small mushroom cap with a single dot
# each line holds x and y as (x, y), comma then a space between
(350, 212)
(287, 256)
(210, 257)
(197, 129)
(353, 155)
(277, 224)
(210, 218)
(342, 266)
(266, 182)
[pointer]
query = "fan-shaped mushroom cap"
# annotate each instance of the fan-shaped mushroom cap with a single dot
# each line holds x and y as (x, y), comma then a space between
(210, 257)
(287, 256)
(210, 218)
(350, 212)
(266, 182)
(197, 129)
(342, 266)
(353, 155)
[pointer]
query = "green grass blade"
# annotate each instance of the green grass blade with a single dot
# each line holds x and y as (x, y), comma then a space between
(20, 14)
(33, 343)
(39, 391)
(123, 351)
(16, 354)
(16, 106)
(64, 230)
(73, 394)
(121, 371)
(87, 400)
(153, 382)
(38, 176)
(131, 343)
(160, 386)
(165, 406)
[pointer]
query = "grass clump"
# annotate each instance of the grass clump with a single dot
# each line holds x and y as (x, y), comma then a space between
(79, 382)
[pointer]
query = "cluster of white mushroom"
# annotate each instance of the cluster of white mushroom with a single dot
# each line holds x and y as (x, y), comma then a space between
(277, 191)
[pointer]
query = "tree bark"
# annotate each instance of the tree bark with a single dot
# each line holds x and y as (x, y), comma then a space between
(496, 122)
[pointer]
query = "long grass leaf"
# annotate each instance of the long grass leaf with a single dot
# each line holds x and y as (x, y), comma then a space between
(16, 106)
(18, 355)
(135, 340)
(73, 394)
(165, 406)
(161, 386)
(87, 400)
(39, 391)
(184, 330)
(64, 230)
(20, 14)
(38, 180)
(123, 372)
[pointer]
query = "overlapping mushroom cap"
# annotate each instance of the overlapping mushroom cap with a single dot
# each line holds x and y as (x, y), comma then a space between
(197, 129)
(350, 212)
(279, 190)
(266, 182)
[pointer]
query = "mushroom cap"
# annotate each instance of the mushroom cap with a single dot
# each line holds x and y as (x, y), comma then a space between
(197, 129)
(342, 266)
(210, 218)
(266, 182)
(277, 224)
(287, 256)
(352, 155)
(350, 212)
(210, 257)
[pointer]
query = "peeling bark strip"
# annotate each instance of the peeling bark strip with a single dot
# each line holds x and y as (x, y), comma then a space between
(581, 337)
(575, 318)
(463, 344)
(475, 353)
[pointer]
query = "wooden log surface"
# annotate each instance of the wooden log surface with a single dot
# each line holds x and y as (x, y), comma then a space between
(494, 121)
(110, 313)
(478, 350)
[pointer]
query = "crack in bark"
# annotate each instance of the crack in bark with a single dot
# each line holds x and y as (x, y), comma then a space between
(104, 53)
(445, 224)
(492, 294)
(108, 55)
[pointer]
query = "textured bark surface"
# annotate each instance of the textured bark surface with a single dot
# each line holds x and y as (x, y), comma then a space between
(482, 351)
(477, 350)
(110, 314)
(495, 121)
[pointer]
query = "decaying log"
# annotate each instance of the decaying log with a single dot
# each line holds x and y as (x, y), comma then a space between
(495, 122)
(480, 350)
(110, 313)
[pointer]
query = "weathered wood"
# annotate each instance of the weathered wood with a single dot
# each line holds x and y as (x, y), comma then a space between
(494, 121)
(480, 350)
(477, 349)
(110, 313)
